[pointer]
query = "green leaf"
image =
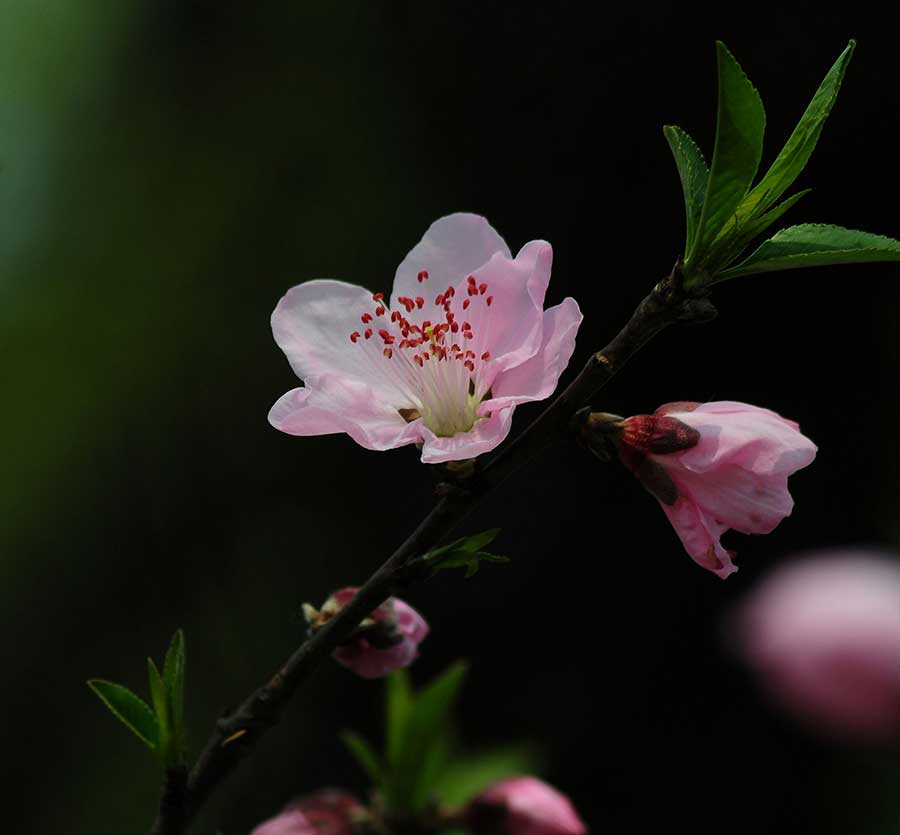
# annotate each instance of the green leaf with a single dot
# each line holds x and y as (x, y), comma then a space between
(726, 249)
(799, 147)
(815, 245)
(399, 703)
(464, 553)
(131, 710)
(363, 753)
(159, 699)
(467, 777)
(740, 126)
(173, 677)
(694, 176)
(422, 749)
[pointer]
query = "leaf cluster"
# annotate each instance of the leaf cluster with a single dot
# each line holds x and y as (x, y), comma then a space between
(420, 765)
(160, 727)
(725, 212)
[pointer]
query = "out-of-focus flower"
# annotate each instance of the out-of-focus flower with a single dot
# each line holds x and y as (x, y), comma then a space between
(387, 640)
(462, 340)
(715, 466)
(823, 633)
(327, 812)
(523, 806)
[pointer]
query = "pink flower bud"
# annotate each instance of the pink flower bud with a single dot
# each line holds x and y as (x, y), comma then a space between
(523, 806)
(327, 812)
(388, 640)
(714, 467)
(824, 636)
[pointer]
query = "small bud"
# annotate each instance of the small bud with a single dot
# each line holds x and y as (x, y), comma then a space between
(386, 640)
(327, 812)
(523, 806)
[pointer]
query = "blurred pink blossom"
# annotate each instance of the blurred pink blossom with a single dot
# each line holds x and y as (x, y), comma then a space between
(443, 363)
(405, 627)
(523, 806)
(715, 466)
(824, 635)
(327, 812)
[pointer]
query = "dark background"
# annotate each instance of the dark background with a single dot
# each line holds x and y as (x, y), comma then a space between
(170, 168)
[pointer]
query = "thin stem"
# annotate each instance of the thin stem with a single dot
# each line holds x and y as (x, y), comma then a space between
(237, 734)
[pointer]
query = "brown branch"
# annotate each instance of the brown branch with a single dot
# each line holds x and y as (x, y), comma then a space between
(237, 734)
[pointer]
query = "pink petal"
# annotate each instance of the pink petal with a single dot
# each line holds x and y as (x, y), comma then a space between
(700, 533)
(342, 405)
(737, 433)
(738, 498)
(537, 377)
(486, 434)
(312, 325)
(289, 822)
(453, 247)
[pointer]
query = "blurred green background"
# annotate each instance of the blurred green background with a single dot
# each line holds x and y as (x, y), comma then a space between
(169, 168)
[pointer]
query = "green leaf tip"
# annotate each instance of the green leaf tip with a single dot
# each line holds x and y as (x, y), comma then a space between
(740, 126)
(815, 245)
(129, 709)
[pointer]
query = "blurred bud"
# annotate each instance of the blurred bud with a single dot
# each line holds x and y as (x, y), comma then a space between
(386, 640)
(715, 466)
(327, 812)
(523, 806)
(823, 634)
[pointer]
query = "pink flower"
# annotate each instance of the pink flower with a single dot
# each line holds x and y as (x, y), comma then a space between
(523, 806)
(824, 635)
(715, 466)
(462, 340)
(395, 625)
(327, 812)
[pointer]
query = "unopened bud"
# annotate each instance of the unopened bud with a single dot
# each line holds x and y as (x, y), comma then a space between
(327, 812)
(659, 434)
(386, 640)
(523, 806)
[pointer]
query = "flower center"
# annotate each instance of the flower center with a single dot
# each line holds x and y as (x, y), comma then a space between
(438, 367)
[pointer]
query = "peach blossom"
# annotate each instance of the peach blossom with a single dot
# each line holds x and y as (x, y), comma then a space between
(716, 466)
(443, 362)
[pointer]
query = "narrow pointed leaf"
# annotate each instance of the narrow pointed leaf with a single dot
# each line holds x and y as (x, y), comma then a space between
(173, 677)
(160, 701)
(131, 710)
(424, 743)
(694, 175)
(399, 704)
(363, 753)
(799, 147)
(815, 245)
(740, 126)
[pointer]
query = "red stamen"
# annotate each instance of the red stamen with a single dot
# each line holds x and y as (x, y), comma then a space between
(466, 304)
(395, 316)
(488, 300)
(486, 356)
(454, 327)
(368, 333)
(366, 318)
(388, 353)
(482, 289)
(418, 360)
(422, 276)
(379, 311)
(420, 302)
(471, 279)
(469, 364)
(354, 336)
(377, 297)
(439, 299)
